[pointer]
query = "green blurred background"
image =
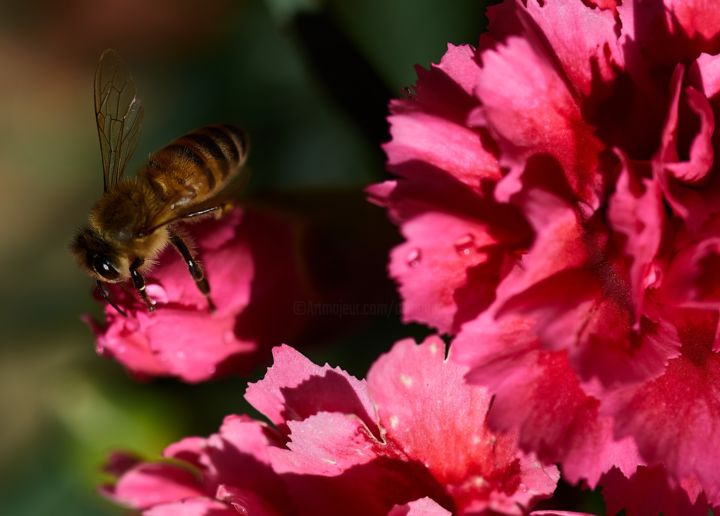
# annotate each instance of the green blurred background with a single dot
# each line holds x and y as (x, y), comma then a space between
(310, 80)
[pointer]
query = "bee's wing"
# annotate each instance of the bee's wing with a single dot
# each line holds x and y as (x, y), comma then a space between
(118, 114)
(228, 195)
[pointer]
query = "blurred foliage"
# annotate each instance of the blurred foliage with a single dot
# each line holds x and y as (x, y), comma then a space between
(309, 79)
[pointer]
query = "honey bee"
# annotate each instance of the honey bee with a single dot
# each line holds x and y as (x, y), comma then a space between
(136, 218)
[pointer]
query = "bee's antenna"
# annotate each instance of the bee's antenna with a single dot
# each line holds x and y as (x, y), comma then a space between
(106, 296)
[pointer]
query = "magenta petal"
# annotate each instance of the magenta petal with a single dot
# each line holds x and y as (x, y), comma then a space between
(448, 146)
(325, 444)
(581, 297)
(446, 89)
(188, 449)
(294, 388)
(334, 466)
(583, 40)
(150, 484)
(701, 151)
(479, 469)
(121, 341)
(179, 333)
(573, 312)
(444, 278)
(456, 247)
(245, 501)
(689, 391)
(677, 177)
(422, 507)
(699, 21)
(239, 456)
(560, 242)
(709, 67)
(538, 394)
(525, 126)
(636, 212)
(692, 277)
(200, 506)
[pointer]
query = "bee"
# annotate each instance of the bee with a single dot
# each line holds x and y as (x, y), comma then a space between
(138, 217)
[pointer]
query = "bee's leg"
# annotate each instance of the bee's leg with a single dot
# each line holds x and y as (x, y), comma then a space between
(106, 296)
(195, 269)
(139, 283)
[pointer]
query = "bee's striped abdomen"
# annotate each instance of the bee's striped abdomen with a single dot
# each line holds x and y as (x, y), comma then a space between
(196, 166)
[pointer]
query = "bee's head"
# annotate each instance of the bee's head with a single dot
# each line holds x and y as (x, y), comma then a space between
(97, 257)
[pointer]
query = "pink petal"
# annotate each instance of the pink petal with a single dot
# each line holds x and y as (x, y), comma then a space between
(294, 388)
(422, 507)
(448, 146)
(525, 125)
(325, 444)
(677, 177)
(457, 246)
(648, 491)
(239, 456)
(245, 502)
(673, 417)
(419, 394)
(692, 277)
(188, 449)
(699, 21)
(701, 152)
(334, 466)
(446, 89)
(700, 160)
(173, 337)
(445, 279)
(670, 31)
(709, 68)
(120, 340)
(587, 312)
(560, 241)
(538, 394)
(582, 39)
(200, 506)
(150, 484)
(581, 297)
(636, 212)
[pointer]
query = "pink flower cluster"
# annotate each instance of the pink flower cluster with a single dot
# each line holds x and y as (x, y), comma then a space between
(559, 197)
(391, 444)
(560, 201)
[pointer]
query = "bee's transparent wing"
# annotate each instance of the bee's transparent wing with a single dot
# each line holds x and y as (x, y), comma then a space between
(118, 114)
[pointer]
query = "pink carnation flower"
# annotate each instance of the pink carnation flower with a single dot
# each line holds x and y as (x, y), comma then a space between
(250, 262)
(559, 196)
(410, 440)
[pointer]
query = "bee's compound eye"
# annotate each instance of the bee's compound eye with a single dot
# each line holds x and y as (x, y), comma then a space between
(104, 267)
